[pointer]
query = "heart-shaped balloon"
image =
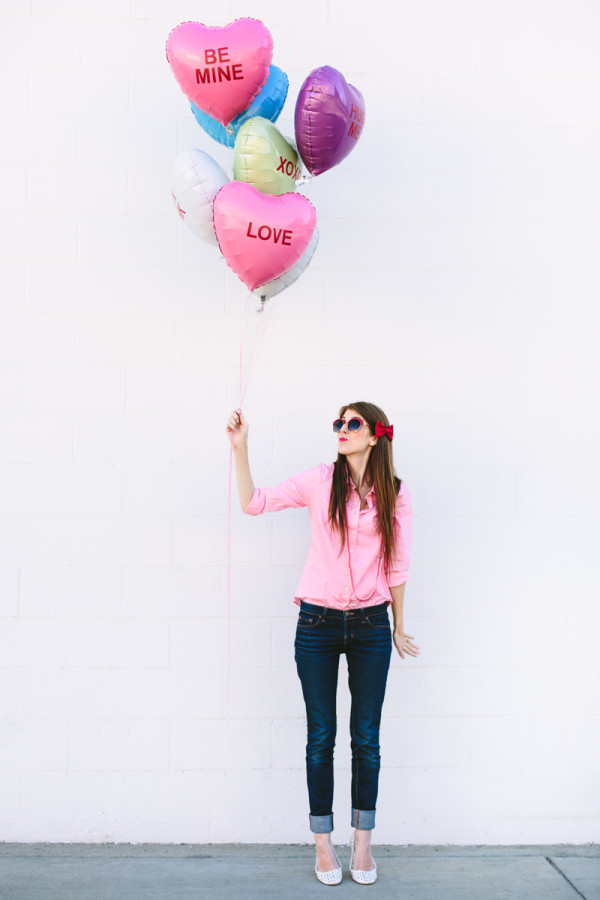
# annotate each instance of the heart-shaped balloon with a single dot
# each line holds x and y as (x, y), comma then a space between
(268, 103)
(261, 236)
(262, 157)
(329, 118)
(195, 182)
(280, 284)
(221, 70)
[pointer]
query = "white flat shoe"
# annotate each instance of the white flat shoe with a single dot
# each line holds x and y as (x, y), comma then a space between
(334, 876)
(360, 875)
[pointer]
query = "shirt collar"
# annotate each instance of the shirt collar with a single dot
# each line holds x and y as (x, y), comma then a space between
(353, 487)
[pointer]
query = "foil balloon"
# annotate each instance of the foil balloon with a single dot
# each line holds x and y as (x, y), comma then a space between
(221, 70)
(266, 291)
(268, 103)
(196, 179)
(329, 118)
(262, 157)
(261, 236)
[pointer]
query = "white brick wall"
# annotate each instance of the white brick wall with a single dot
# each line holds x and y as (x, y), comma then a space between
(455, 284)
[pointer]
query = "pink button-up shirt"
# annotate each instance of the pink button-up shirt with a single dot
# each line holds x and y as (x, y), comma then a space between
(327, 578)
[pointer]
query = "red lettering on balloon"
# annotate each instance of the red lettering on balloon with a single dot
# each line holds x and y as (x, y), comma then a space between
(266, 233)
(356, 112)
(354, 130)
(219, 74)
(288, 168)
(221, 54)
(180, 211)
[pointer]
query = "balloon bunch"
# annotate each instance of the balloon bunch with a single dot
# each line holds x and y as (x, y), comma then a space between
(266, 231)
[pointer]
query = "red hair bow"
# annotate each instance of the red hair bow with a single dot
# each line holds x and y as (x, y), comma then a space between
(380, 429)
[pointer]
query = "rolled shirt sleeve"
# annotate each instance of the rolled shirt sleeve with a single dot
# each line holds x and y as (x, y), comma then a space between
(398, 574)
(293, 492)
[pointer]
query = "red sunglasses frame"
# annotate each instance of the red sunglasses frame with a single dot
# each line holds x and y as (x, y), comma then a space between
(341, 419)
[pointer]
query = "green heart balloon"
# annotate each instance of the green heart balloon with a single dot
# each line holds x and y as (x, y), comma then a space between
(263, 158)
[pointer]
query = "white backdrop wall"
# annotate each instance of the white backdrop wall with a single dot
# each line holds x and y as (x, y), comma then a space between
(455, 285)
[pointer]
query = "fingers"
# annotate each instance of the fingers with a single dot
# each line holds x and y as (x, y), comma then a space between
(406, 646)
(235, 420)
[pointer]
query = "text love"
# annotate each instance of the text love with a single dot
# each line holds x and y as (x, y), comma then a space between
(266, 233)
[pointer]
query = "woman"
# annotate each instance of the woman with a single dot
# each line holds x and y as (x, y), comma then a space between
(357, 566)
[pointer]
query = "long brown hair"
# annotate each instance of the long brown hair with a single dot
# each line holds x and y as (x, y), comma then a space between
(380, 472)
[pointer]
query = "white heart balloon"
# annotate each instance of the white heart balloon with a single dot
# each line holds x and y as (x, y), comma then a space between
(195, 182)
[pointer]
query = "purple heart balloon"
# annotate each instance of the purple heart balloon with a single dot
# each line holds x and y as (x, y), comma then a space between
(329, 118)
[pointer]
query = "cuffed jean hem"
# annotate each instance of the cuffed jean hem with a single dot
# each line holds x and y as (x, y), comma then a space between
(363, 819)
(321, 824)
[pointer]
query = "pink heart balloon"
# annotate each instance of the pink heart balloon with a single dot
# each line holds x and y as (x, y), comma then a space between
(261, 236)
(221, 70)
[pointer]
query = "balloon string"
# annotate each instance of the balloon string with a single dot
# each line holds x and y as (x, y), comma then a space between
(245, 319)
(229, 600)
(308, 186)
(249, 364)
(255, 350)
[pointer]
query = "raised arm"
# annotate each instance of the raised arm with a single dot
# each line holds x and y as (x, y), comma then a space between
(237, 429)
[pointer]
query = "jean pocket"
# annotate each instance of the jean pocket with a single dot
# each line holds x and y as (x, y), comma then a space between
(308, 620)
(378, 620)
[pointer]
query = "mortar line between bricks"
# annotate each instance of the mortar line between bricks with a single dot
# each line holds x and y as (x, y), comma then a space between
(568, 880)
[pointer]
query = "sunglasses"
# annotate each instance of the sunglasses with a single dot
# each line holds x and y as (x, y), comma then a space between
(353, 425)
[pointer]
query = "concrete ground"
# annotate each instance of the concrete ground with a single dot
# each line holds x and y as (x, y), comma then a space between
(286, 871)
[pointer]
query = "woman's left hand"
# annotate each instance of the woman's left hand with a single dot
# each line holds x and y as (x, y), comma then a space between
(404, 644)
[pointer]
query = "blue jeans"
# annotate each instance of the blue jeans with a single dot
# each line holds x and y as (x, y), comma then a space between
(365, 636)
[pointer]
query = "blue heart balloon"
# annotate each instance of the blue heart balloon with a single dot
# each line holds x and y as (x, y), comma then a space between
(268, 103)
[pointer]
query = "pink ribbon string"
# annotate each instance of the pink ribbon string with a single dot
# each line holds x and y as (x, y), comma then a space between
(257, 340)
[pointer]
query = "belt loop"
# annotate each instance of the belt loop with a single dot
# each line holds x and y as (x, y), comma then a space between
(363, 614)
(324, 611)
